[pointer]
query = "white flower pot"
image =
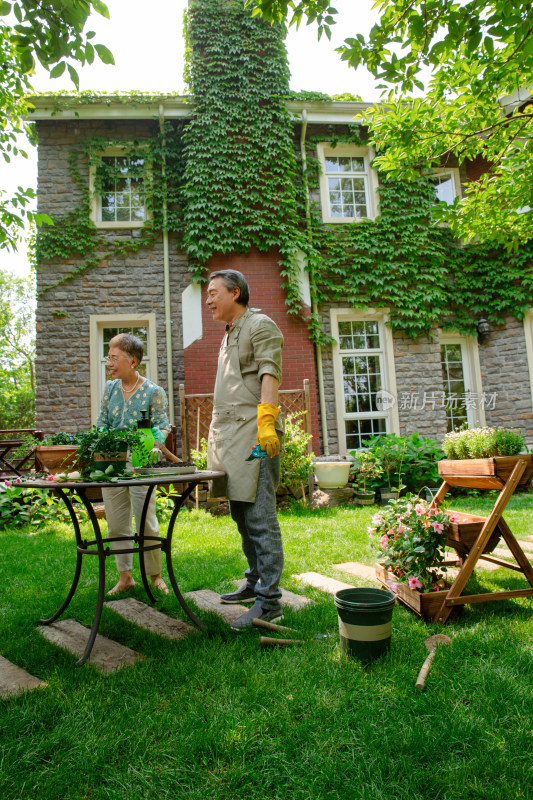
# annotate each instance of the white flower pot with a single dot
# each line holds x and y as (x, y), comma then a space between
(332, 474)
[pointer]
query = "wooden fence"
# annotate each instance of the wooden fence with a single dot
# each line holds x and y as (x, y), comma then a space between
(196, 411)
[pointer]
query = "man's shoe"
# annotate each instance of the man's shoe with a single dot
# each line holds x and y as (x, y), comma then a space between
(243, 595)
(256, 612)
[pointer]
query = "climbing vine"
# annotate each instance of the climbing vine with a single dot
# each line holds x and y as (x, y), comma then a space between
(234, 179)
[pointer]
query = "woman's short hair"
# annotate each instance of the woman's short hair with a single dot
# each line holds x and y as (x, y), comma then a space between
(129, 344)
(233, 278)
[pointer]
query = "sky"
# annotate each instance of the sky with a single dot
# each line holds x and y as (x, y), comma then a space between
(147, 43)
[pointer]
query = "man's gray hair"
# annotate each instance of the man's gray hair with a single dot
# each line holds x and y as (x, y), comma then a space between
(232, 279)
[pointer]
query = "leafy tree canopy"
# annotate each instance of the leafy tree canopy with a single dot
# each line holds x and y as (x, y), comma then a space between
(52, 34)
(17, 351)
(477, 52)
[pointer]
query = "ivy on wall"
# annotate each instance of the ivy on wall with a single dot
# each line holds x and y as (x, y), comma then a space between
(234, 181)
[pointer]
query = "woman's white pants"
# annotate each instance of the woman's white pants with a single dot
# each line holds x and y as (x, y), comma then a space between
(119, 503)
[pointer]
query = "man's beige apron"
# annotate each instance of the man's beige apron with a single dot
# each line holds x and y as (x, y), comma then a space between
(233, 430)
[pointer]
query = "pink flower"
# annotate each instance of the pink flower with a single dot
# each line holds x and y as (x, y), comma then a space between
(454, 518)
(414, 583)
(371, 531)
(419, 509)
(384, 541)
(7, 483)
(17, 480)
(394, 586)
(400, 528)
(377, 519)
(437, 527)
(433, 512)
(50, 478)
(391, 532)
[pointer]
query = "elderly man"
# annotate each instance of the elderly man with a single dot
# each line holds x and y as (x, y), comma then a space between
(246, 413)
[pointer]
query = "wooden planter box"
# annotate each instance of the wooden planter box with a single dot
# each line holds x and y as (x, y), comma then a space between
(485, 473)
(425, 604)
(463, 534)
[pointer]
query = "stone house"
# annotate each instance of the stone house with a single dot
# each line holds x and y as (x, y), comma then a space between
(102, 277)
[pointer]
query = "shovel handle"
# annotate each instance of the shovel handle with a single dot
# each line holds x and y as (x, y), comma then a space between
(170, 456)
(271, 626)
(265, 641)
(422, 675)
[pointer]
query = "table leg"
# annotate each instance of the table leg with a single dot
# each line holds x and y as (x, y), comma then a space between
(167, 548)
(64, 497)
(142, 566)
(101, 578)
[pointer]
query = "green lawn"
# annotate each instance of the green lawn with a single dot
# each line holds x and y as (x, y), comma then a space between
(214, 717)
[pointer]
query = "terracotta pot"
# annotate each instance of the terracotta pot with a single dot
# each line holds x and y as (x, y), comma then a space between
(332, 474)
(57, 458)
(425, 604)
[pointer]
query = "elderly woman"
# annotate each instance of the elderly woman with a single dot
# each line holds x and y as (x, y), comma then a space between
(124, 398)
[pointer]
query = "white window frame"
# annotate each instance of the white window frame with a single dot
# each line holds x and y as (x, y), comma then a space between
(96, 200)
(97, 323)
(370, 175)
(456, 180)
(388, 372)
(472, 374)
(528, 333)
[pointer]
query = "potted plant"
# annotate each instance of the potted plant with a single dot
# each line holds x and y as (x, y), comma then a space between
(105, 451)
(54, 453)
(296, 459)
(389, 451)
(483, 458)
(410, 537)
(367, 469)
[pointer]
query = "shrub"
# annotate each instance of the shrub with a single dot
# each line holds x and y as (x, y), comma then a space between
(296, 461)
(20, 506)
(407, 461)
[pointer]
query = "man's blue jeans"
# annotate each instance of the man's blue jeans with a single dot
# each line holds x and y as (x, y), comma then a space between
(261, 535)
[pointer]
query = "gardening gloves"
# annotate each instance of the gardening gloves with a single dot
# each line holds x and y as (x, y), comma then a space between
(159, 436)
(267, 437)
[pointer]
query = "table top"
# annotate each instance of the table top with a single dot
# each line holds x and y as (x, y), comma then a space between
(142, 480)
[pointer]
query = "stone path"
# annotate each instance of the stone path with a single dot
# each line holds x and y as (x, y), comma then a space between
(14, 680)
(106, 654)
(357, 569)
(210, 601)
(150, 618)
(289, 599)
(317, 581)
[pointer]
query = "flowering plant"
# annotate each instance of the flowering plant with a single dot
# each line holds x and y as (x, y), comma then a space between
(367, 467)
(410, 536)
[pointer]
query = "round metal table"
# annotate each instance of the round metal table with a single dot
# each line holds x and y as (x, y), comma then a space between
(99, 546)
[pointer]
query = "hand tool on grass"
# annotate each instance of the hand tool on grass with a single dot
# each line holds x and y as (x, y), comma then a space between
(271, 626)
(431, 644)
(266, 641)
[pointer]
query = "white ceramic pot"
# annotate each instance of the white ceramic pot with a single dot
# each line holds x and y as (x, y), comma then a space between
(332, 474)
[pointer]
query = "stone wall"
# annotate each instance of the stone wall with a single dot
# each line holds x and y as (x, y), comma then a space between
(130, 284)
(504, 373)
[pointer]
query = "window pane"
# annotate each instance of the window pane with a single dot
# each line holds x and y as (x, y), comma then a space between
(123, 200)
(444, 188)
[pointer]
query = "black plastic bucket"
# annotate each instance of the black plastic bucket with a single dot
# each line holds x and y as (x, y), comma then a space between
(365, 621)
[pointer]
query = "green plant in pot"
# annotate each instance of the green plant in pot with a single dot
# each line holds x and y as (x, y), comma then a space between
(482, 443)
(103, 453)
(55, 453)
(367, 470)
(389, 452)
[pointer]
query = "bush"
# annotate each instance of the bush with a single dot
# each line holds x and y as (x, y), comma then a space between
(408, 461)
(20, 506)
(296, 461)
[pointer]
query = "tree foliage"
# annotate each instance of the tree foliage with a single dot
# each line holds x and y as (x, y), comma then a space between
(476, 53)
(17, 351)
(52, 34)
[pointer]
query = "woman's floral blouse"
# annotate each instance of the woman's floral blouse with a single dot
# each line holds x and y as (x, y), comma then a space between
(120, 415)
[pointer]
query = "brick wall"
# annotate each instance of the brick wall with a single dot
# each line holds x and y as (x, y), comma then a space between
(263, 275)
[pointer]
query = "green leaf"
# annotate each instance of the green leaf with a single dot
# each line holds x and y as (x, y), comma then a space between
(58, 70)
(74, 76)
(100, 8)
(5, 8)
(105, 55)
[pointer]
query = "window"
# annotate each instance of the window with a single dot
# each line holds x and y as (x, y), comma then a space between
(118, 186)
(102, 330)
(365, 387)
(447, 185)
(463, 398)
(348, 185)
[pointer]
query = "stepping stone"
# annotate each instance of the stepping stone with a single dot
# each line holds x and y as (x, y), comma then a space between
(357, 569)
(14, 680)
(294, 601)
(502, 552)
(317, 581)
(106, 655)
(525, 545)
(210, 601)
(150, 618)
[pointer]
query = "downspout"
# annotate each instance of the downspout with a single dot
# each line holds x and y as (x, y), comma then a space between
(314, 306)
(166, 269)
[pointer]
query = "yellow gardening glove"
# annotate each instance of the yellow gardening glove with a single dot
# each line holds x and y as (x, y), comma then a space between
(267, 437)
